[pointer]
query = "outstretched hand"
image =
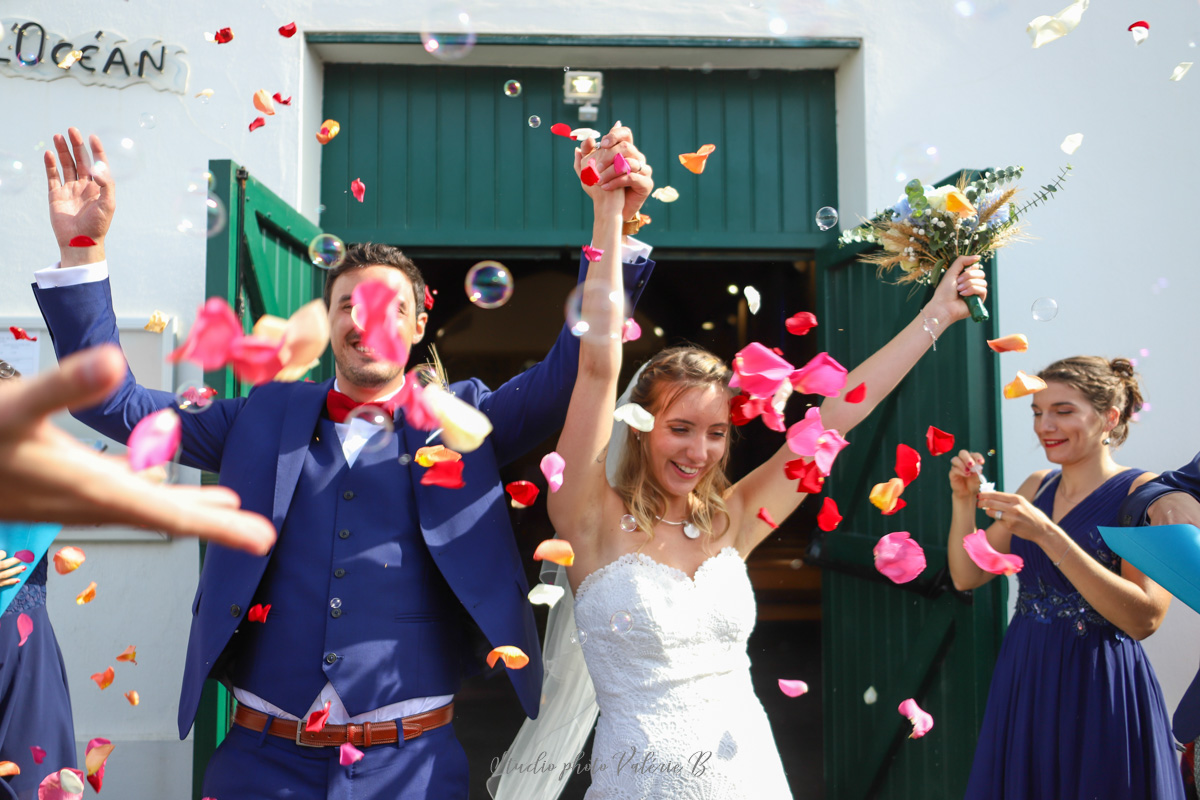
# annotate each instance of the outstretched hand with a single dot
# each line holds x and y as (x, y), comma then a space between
(961, 279)
(48, 476)
(83, 197)
(638, 182)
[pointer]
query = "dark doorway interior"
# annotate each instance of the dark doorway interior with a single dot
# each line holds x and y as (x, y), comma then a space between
(693, 298)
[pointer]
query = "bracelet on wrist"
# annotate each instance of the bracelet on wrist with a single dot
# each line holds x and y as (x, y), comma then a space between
(932, 326)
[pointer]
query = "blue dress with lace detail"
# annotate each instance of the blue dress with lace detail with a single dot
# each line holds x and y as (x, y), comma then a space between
(33, 593)
(1074, 710)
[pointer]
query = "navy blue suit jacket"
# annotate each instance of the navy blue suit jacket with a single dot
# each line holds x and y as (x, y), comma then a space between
(258, 444)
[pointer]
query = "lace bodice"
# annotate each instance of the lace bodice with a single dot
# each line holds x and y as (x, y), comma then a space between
(667, 656)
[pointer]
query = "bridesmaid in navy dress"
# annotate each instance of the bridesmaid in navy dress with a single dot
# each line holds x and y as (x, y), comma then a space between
(1075, 710)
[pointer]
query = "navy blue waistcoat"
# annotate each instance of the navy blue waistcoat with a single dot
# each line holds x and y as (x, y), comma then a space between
(355, 597)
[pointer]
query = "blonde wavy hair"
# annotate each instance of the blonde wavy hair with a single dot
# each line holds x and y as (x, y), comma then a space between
(665, 378)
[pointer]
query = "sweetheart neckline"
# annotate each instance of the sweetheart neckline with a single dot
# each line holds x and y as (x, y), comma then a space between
(636, 558)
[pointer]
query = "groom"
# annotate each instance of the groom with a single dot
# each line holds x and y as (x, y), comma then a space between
(377, 581)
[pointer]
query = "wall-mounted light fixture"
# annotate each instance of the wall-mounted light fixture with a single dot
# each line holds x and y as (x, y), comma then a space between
(583, 89)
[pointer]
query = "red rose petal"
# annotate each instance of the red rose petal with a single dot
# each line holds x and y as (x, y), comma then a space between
(523, 493)
(257, 123)
(828, 518)
(938, 442)
(765, 516)
(258, 613)
(561, 129)
(288, 31)
(358, 189)
(588, 175)
(82, 241)
(223, 36)
(900, 503)
(857, 394)
(802, 323)
(446, 474)
(317, 719)
(808, 473)
(908, 463)
(20, 335)
(279, 98)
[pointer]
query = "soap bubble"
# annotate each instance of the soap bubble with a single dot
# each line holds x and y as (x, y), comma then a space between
(512, 88)
(777, 26)
(446, 32)
(965, 8)
(14, 174)
(193, 397)
(827, 217)
(489, 284)
(147, 121)
(916, 161)
(579, 636)
(198, 210)
(123, 153)
(370, 424)
(405, 459)
(535, 121)
(326, 251)
(629, 523)
(1044, 309)
(600, 318)
(621, 622)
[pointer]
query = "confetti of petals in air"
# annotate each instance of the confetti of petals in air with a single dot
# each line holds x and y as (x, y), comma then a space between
(223, 36)
(801, 323)
(898, 557)
(96, 754)
(212, 335)
(759, 371)
(24, 556)
(665, 194)
(857, 394)
(317, 719)
(630, 331)
(908, 463)
(513, 657)
(822, 375)
(258, 613)
(588, 174)
(303, 338)
(921, 721)
(793, 688)
(378, 318)
(158, 322)
(129, 654)
(68, 559)
(1071, 143)
(635, 417)
(445, 474)
(132, 697)
(8, 769)
(329, 129)
(556, 551)
(886, 496)
(807, 473)
(104, 679)
(39, 754)
(288, 31)
(429, 299)
(257, 123)
(753, 299)
(256, 359)
(938, 441)
(828, 517)
(432, 454)
(154, 440)
(283, 101)
(766, 517)
(1140, 30)
(989, 559)
(582, 134)
(561, 129)
(545, 594)
(1016, 343)
(81, 241)
(1023, 385)
(592, 253)
(620, 165)
(24, 628)
(20, 335)
(809, 437)
(349, 754)
(523, 493)
(358, 189)
(1045, 29)
(1180, 70)
(552, 467)
(264, 103)
(464, 427)
(694, 162)
(66, 784)
(86, 596)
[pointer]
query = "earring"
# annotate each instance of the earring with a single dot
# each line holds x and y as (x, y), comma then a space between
(1106, 441)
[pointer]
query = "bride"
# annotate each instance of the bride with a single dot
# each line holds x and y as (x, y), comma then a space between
(663, 601)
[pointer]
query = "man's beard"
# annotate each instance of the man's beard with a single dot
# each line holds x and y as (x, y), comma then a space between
(371, 377)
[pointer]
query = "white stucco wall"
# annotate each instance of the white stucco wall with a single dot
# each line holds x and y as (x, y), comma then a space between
(925, 77)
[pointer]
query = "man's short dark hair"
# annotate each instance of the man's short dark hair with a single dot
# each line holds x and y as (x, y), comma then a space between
(368, 254)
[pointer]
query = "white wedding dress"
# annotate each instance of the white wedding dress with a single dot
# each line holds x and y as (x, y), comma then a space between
(679, 719)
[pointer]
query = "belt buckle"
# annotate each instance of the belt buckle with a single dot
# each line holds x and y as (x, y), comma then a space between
(300, 732)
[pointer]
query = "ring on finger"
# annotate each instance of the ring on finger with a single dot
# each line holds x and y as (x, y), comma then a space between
(999, 514)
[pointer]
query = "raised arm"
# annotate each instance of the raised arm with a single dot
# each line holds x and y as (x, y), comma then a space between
(769, 487)
(586, 432)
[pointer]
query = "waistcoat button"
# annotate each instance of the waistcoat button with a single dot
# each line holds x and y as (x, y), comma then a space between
(339, 573)
(345, 534)
(330, 658)
(337, 612)
(235, 610)
(349, 495)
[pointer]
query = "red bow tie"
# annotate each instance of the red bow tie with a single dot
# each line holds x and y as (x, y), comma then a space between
(338, 405)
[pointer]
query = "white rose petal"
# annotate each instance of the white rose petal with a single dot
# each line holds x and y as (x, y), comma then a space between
(1139, 33)
(665, 194)
(545, 595)
(870, 696)
(579, 134)
(1043, 30)
(464, 427)
(1071, 143)
(635, 416)
(1181, 70)
(753, 299)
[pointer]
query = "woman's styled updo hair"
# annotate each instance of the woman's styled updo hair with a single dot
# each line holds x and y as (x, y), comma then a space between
(1106, 384)
(666, 376)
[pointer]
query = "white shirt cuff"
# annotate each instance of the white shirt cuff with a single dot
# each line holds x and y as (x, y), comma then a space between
(55, 277)
(632, 249)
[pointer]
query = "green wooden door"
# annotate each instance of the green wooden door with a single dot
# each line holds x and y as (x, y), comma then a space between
(921, 640)
(259, 263)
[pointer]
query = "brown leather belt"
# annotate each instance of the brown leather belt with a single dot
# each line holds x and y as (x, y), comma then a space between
(360, 735)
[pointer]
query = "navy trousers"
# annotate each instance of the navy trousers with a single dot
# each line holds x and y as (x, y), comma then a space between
(257, 766)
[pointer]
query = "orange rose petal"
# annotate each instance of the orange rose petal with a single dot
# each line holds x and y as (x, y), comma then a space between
(104, 679)
(885, 496)
(329, 129)
(87, 595)
(694, 162)
(8, 769)
(1017, 343)
(129, 654)
(68, 559)
(1022, 385)
(132, 697)
(432, 454)
(557, 551)
(264, 103)
(514, 657)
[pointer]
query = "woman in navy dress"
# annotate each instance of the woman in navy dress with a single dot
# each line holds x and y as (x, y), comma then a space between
(1074, 710)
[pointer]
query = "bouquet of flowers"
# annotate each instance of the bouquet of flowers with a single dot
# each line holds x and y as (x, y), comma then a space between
(928, 228)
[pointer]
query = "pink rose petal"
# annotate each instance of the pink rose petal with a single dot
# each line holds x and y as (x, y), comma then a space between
(809, 437)
(552, 468)
(95, 758)
(359, 189)
(822, 376)
(349, 754)
(212, 335)
(793, 688)
(379, 318)
(256, 359)
(154, 440)
(417, 412)
(630, 331)
(620, 165)
(52, 788)
(24, 628)
(592, 253)
(39, 754)
(24, 556)
(987, 558)
(759, 371)
(898, 557)
(921, 721)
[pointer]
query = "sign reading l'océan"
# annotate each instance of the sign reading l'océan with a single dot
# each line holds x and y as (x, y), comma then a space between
(29, 50)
